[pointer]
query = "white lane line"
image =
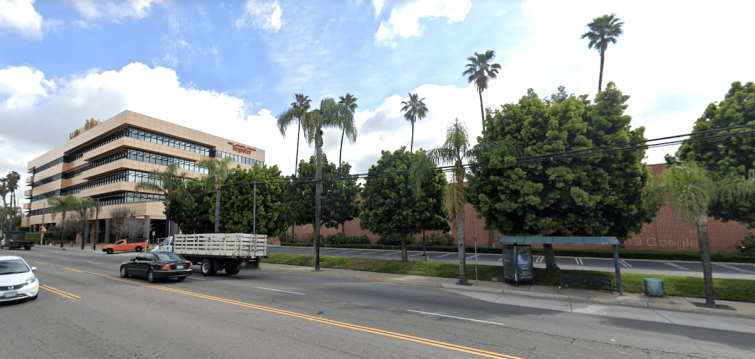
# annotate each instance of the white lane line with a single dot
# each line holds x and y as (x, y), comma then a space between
(94, 262)
(732, 268)
(415, 254)
(578, 260)
(447, 254)
(391, 253)
(676, 266)
(196, 278)
(460, 318)
(624, 263)
(282, 291)
(472, 257)
(540, 259)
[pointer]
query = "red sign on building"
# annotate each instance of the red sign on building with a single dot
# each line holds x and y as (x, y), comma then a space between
(241, 148)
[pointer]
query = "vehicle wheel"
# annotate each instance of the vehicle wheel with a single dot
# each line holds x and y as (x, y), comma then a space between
(151, 276)
(109, 251)
(124, 274)
(181, 279)
(231, 269)
(28, 248)
(138, 249)
(208, 268)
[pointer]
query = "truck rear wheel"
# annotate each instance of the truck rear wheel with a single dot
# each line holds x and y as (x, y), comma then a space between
(231, 269)
(109, 251)
(138, 249)
(208, 268)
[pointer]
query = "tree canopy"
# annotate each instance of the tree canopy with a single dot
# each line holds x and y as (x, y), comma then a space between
(595, 195)
(237, 212)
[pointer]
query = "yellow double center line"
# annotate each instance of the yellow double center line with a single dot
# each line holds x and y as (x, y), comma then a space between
(458, 348)
(59, 292)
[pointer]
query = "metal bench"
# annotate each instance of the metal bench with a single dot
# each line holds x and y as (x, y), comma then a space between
(584, 279)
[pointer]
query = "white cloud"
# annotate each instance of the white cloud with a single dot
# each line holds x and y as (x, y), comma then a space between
(24, 86)
(20, 16)
(405, 16)
(113, 10)
(262, 14)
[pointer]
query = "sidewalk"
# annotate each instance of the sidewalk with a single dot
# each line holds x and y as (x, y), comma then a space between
(567, 300)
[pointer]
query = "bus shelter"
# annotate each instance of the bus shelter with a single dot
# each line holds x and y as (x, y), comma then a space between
(593, 241)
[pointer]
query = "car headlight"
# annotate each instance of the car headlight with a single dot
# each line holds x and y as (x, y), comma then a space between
(31, 280)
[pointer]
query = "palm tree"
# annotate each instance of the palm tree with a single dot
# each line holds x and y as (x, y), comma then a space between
(62, 205)
(414, 109)
(690, 190)
(480, 70)
(4, 189)
(218, 170)
(330, 115)
(603, 30)
(298, 112)
(84, 211)
(455, 150)
(169, 183)
(347, 123)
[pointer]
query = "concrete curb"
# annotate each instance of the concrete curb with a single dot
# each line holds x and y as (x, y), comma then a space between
(678, 304)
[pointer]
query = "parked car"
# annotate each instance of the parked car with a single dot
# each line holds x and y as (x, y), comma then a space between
(17, 280)
(157, 266)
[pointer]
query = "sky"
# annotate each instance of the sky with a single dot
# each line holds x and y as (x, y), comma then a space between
(230, 67)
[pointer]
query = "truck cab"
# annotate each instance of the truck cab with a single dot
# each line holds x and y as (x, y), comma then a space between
(165, 246)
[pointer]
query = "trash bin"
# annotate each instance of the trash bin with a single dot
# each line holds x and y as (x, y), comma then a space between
(654, 287)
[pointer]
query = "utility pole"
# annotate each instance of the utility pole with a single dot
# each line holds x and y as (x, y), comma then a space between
(254, 211)
(97, 221)
(42, 229)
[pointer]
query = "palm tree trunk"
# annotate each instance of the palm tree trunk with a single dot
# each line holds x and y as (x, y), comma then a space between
(404, 253)
(550, 258)
(462, 249)
(482, 111)
(62, 228)
(340, 152)
(318, 193)
(167, 214)
(600, 79)
(411, 147)
(217, 207)
(296, 161)
(704, 243)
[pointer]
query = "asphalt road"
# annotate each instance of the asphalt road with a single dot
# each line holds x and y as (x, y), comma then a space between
(721, 270)
(267, 314)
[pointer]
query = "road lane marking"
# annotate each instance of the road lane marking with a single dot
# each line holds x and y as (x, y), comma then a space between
(732, 268)
(430, 342)
(196, 278)
(391, 253)
(94, 262)
(472, 257)
(59, 292)
(282, 291)
(447, 254)
(579, 261)
(540, 259)
(625, 263)
(676, 266)
(460, 318)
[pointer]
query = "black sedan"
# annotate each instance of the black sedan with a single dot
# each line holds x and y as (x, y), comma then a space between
(156, 266)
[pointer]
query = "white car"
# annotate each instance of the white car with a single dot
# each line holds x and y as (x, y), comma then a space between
(17, 280)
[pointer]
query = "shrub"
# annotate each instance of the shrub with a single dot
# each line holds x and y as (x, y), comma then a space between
(340, 239)
(748, 245)
(435, 239)
(311, 239)
(393, 239)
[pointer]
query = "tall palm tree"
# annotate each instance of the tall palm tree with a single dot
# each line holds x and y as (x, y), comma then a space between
(327, 116)
(169, 183)
(347, 123)
(218, 169)
(62, 205)
(296, 113)
(480, 70)
(84, 209)
(4, 189)
(455, 150)
(603, 30)
(690, 190)
(414, 109)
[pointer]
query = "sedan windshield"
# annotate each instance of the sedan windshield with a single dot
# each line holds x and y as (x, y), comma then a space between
(168, 257)
(13, 266)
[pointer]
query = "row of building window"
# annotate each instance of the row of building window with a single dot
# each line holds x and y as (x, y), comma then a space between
(124, 176)
(47, 165)
(237, 158)
(168, 141)
(111, 199)
(47, 180)
(78, 154)
(183, 164)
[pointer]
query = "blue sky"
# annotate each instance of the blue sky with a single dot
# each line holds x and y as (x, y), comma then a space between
(230, 67)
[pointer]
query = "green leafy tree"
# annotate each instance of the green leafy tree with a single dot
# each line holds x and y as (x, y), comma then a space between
(726, 156)
(62, 205)
(347, 123)
(414, 109)
(601, 194)
(455, 150)
(390, 205)
(218, 169)
(238, 213)
(479, 71)
(603, 30)
(340, 204)
(691, 190)
(193, 209)
(169, 183)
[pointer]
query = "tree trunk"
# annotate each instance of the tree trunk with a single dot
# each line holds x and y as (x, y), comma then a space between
(411, 147)
(462, 249)
(343, 228)
(491, 238)
(296, 168)
(340, 152)
(482, 111)
(704, 243)
(217, 207)
(318, 193)
(404, 254)
(550, 258)
(62, 228)
(600, 79)
(167, 215)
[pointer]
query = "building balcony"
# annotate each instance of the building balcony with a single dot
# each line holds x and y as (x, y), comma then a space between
(30, 180)
(27, 193)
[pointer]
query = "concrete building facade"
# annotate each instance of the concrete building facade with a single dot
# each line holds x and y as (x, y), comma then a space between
(106, 160)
